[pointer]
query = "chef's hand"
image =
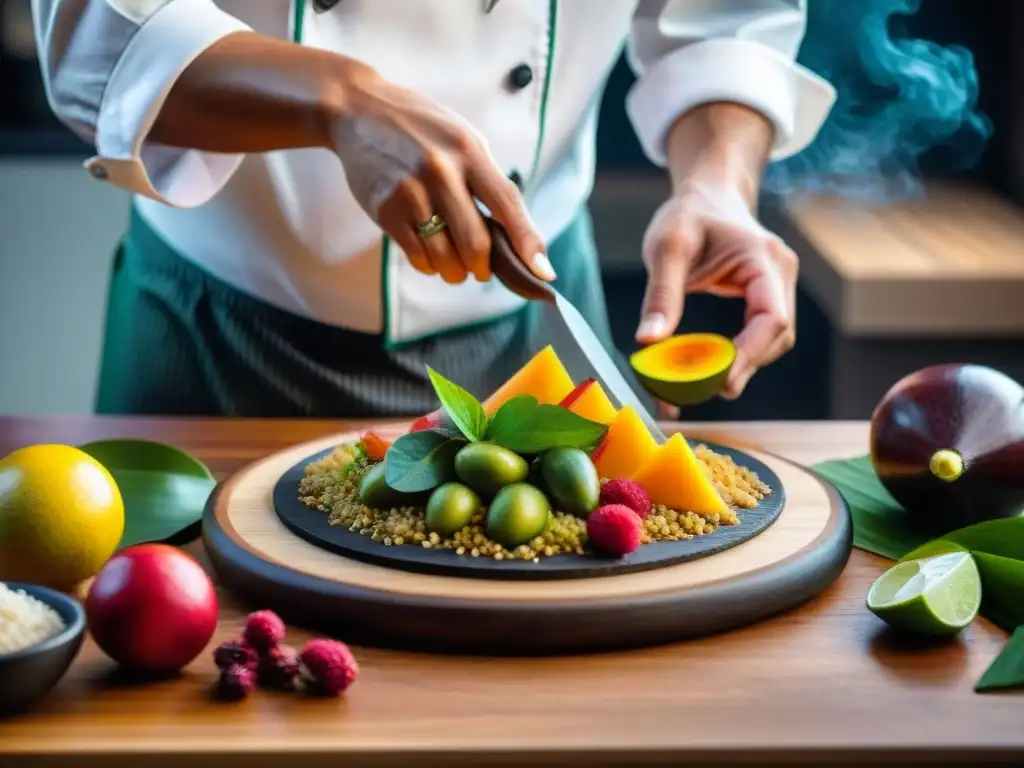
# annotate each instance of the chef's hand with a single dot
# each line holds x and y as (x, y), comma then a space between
(407, 158)
(705, 238)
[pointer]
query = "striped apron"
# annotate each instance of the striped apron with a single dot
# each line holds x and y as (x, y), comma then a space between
(180, 342)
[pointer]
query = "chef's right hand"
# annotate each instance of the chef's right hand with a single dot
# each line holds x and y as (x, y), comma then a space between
(407, 158)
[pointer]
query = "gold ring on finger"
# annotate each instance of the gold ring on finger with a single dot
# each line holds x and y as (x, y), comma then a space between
(431, 226)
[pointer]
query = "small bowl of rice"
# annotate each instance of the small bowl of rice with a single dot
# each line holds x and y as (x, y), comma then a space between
(41, 631)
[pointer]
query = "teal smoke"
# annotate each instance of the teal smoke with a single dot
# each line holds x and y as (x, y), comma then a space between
(898, 98)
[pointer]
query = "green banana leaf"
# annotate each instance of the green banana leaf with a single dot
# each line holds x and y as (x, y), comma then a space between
(1002, 586)
(880, 525)
(164, 489)
(1007, 671)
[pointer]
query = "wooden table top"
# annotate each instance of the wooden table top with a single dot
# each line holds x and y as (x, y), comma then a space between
(822, 684)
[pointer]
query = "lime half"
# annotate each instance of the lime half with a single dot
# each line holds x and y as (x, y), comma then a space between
(931, 596)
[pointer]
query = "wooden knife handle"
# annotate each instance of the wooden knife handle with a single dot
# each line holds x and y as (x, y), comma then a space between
(511, 270)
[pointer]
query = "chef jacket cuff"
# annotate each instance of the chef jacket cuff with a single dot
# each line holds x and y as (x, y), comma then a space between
(794, 99)
(135, 93)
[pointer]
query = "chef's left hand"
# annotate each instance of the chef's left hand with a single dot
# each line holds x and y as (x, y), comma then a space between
(706, 239)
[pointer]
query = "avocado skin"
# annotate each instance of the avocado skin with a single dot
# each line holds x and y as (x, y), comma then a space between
(684, 392)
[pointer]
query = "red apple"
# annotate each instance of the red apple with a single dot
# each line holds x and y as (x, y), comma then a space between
(152, 607)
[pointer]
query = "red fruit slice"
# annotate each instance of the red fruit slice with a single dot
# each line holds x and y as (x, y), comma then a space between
(575, 395)
(422, 423)
(374, 445)
(590, 401)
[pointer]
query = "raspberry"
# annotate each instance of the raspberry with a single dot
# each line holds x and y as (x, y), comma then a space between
(615, 529)
(628, 493)
(235, 652)
(330, 665)
(263, 630)
(235, 683)
(279, 668)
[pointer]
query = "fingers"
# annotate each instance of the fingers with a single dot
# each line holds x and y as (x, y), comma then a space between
(770, 330)
(411, 205)
(470, 237)
(506, 205)
(667, 257)
(445, 184)
(395, 219)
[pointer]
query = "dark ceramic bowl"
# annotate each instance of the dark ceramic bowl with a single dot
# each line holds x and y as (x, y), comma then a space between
(26, 676)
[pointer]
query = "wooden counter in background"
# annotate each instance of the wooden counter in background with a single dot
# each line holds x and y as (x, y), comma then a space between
(928, 280)
(948, 265)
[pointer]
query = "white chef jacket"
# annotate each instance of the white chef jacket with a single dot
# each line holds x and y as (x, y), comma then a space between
(283, 226)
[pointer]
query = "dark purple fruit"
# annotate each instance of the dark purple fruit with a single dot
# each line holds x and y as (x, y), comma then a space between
(948, 444)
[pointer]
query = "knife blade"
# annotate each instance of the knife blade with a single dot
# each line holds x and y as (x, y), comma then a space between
(578, 347)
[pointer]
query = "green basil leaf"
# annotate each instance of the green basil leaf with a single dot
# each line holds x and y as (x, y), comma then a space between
(420, 461)
(507, 418)
(1007, 671)
(464, 410)
(528, 428)
(164, 489)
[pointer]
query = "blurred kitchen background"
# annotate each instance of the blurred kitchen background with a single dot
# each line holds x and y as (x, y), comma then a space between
(890, 282)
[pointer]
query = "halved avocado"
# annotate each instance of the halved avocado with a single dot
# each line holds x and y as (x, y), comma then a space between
(687, 369)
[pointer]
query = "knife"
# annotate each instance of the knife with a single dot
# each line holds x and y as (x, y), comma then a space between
(578, 347)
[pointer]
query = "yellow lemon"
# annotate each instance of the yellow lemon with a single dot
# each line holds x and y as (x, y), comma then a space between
(61, 516)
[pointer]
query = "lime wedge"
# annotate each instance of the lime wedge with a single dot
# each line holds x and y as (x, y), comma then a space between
(930, 596)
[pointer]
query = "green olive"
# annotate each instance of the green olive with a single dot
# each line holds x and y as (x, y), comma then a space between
(518, 514)
(451, 508)
(570, 480)
(487, 468)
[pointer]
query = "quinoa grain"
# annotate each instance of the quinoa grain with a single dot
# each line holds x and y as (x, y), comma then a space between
(331, 485)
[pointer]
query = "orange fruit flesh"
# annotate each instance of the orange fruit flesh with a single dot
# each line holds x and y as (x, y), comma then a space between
(543, 376)
(673, 476)
(690, 357)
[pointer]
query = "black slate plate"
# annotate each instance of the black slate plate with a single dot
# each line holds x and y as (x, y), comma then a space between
(311, 525)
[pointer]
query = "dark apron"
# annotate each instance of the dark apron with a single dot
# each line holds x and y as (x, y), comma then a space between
(179, 341)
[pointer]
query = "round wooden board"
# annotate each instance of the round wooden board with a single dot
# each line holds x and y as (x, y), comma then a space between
(315, 527)
(793, 560)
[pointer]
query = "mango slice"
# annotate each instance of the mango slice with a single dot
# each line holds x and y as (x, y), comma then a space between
(626, 446)
(674, 477)
(543, 376)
